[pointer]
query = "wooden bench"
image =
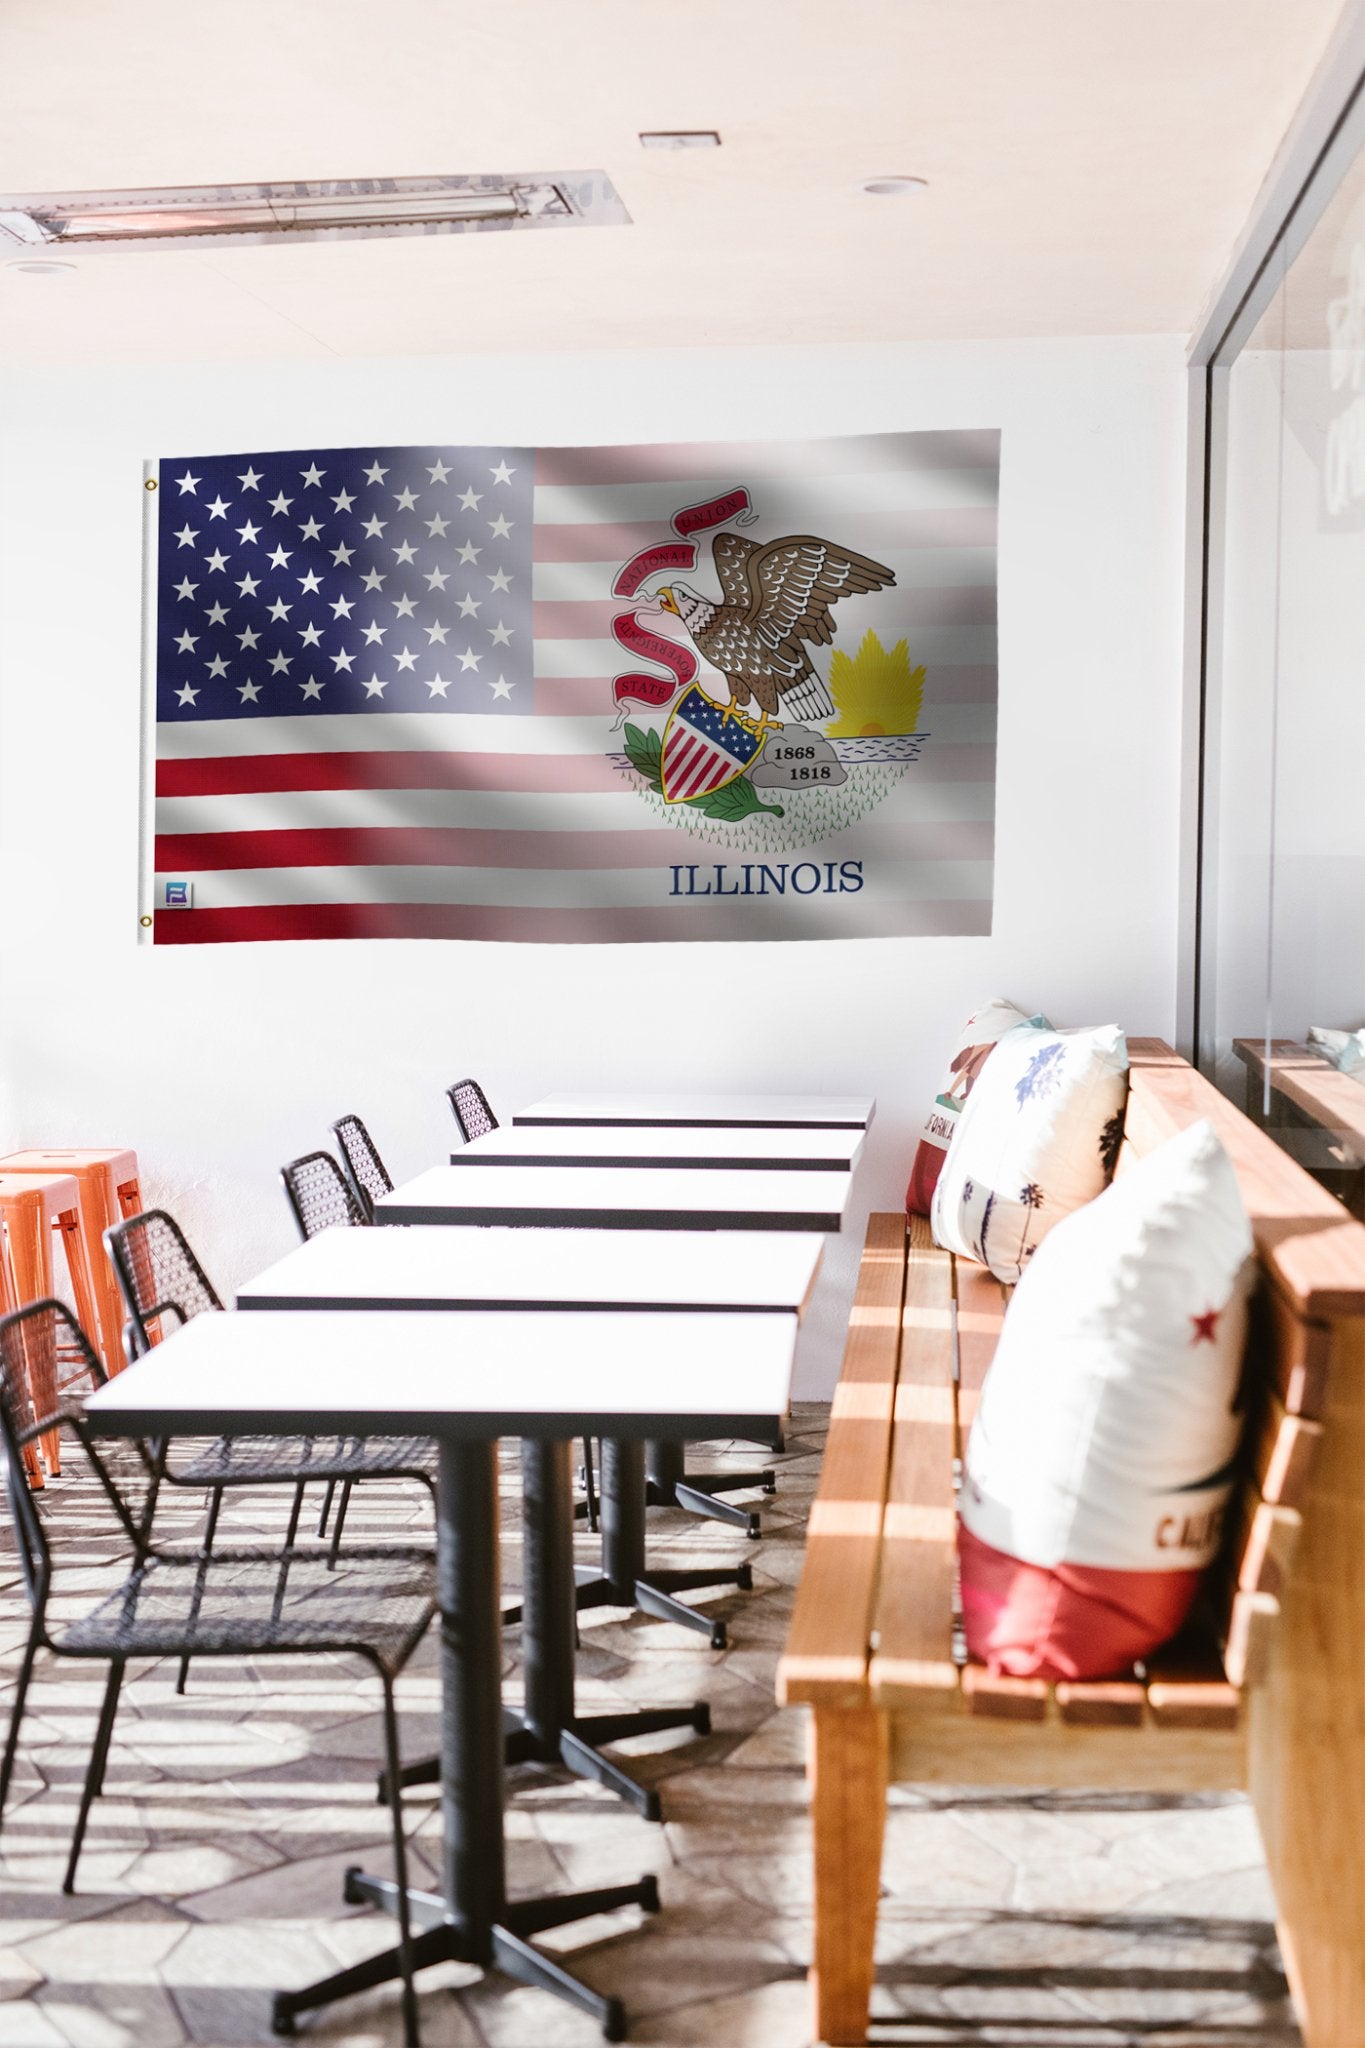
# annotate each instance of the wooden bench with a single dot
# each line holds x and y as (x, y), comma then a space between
(1315, 1110)
(1266, 1691)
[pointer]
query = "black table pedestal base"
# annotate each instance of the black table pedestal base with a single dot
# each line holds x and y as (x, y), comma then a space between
(668, 1484)
(437, 1939)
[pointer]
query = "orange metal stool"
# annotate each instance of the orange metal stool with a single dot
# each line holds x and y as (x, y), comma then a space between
(9, 1301)
(107, 1180)
(32, 1206)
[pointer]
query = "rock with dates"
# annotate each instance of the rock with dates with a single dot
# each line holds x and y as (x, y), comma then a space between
(797, 758)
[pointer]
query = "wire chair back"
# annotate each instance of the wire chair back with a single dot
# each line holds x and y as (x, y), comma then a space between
(158, 1275)
(469, 1106)
(369, 1175)
(318, 1194)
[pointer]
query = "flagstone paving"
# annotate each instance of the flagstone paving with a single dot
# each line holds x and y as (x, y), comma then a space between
(213, 1866)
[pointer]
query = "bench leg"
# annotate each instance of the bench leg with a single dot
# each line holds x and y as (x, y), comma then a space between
(848, 1768)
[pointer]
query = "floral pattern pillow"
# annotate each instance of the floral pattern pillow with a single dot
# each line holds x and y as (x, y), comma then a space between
(1038, 1136)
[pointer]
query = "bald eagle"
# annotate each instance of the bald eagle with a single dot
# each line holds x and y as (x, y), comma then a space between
(774, 598)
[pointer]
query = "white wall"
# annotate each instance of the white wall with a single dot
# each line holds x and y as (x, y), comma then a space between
(218, 1063)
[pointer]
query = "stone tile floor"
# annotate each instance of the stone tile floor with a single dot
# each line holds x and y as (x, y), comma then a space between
(212, 1870)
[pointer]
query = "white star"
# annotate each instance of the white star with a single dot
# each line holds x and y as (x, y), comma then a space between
(186, 696)
(249, 585)
(502, 474)
(404, 607)
(469, 659)
(216, 616)
(312, 688)
(187, 535)
(438, 527)
(435, 633)
(469, 553)
(342, 660)
(342, 607)
(374, 526)
(501, 635)
(218, 509)
(280, 662)
(249, 638)
(343, 501)
(375, 474)
(406, 552)
(405, 500)
(187, 642)
(500, 580)
(375, 579)
(501, 688)
(437, 471)
(342, 555)
(217, 560)
(470, 500)
(186, 588)
(217, 667)
(312, 475)
(279, 557)
(188, 483)
(251, 479)
(280, 503)
(437, 579)
(374, 688)
(468, 606)
(407, 659)
(280, 610)
(310, 530)
(374, 631)
(501, 527)
(439, 684)
(248, 692)
(311, 636)
(312, 581)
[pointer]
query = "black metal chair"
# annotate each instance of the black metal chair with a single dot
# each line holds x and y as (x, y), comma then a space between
(320, 1194)
(469, 1106)
(369, 1176)
(199, 1603)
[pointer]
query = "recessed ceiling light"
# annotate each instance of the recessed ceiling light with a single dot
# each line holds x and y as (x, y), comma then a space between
(894, 188)
(679, 138)
(33, 268)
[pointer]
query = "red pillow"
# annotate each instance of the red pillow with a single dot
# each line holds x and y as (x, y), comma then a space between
(973, 1048)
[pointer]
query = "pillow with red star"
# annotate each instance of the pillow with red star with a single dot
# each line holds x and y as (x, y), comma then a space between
(975, 1043)
(1103, 1455)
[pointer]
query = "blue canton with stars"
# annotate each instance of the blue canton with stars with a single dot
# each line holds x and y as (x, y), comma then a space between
(345, 580)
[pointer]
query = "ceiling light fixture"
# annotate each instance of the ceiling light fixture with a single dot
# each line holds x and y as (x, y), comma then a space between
(894, 187)
(679, 138)
(353, 209)
(37, 267)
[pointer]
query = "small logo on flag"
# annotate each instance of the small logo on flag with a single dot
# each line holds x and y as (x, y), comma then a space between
(705, 746)
(177, 896)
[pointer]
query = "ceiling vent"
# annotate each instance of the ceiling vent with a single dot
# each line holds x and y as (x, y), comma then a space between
(340, 209)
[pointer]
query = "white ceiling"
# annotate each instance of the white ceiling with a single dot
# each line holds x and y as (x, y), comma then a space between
(1090, 164)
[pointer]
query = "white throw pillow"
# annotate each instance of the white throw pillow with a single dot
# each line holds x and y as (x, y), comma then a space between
(974, 1045)
(1038, 1135)
(1345, 1049)
(1107, 1428)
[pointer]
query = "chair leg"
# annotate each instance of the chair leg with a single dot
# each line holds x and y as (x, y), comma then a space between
(94, 1777)
(206, 1545)
(324, 1517)
(340, 1523)
(589, 1484)
(411, 2037)
(16, 1715)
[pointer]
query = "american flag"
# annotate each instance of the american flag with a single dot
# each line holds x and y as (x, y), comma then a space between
(384, 708)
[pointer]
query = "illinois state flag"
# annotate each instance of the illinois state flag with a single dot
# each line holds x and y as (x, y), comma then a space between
(703, 691)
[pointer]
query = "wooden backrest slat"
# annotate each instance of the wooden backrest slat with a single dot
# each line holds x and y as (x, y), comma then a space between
(1289, 1351)
(998, 1698)
(914, 1602)
(1262, 1540)
(1281, 1452)
(828, 1644)
(981, 1305)
(1102, 1703)
(1187, 1686)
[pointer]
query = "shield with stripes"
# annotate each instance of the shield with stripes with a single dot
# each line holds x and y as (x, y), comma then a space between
(705, 746)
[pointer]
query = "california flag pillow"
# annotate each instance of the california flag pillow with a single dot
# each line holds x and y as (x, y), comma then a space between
(975, 1043)
(1038, 1135)
(1101, 1459)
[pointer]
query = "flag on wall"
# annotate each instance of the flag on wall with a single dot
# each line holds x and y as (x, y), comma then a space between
(701, 691)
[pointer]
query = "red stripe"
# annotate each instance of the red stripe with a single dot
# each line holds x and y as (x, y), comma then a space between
(674, 918)
(233, 775)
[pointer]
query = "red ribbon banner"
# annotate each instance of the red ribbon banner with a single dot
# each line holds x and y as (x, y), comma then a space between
(672, 554)
(680, 662)
(715, 512)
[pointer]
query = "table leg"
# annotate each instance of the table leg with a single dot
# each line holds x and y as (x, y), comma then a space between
(472, 1920)
(625, 1580)
(669, 1484)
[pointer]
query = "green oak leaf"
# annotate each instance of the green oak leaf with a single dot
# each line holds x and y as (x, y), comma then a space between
(644, 750)
(739, 799)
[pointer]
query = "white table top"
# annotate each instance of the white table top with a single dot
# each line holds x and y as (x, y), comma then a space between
(473, 1377)
(775, 1146)
(442, 1268)
(619, 1198)
(796, 1112)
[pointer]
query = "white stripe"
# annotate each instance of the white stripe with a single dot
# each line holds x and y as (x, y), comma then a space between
(456, 732)
(787, 506)
(913, 568)
(936, 646)
(566, 889)
(363, 809)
